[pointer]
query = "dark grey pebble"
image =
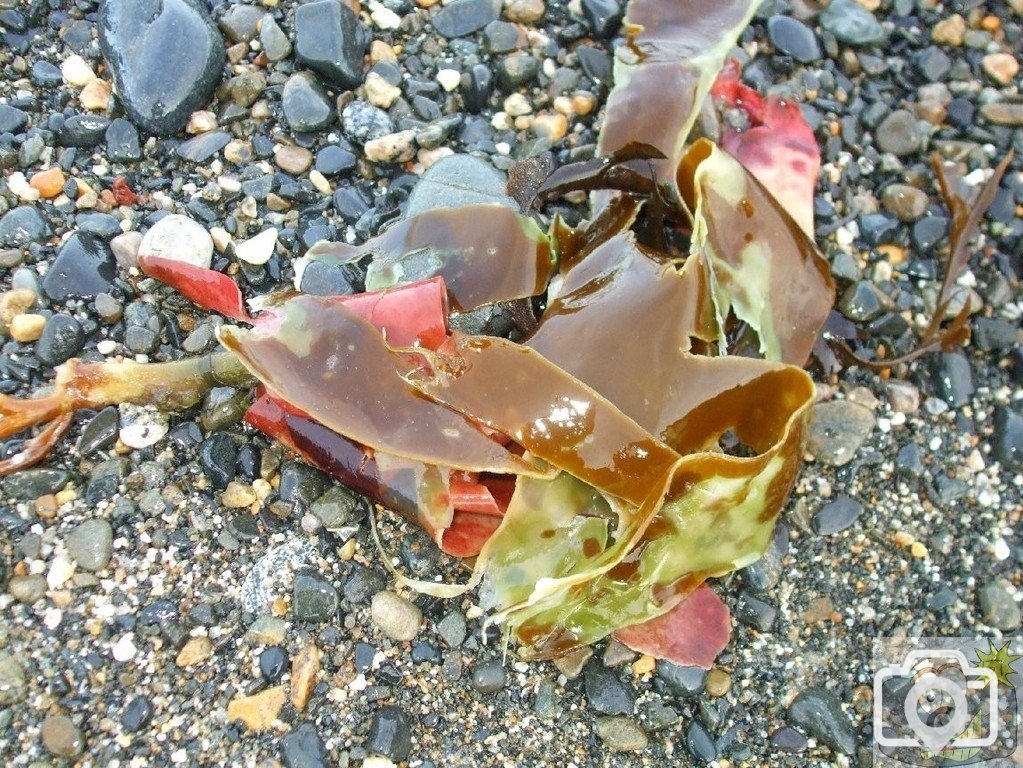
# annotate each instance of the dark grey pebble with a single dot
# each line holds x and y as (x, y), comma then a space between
(606, 693)
(136, 714)
(84, 130)
(603, 16)
(455, 181)
(700, 743)
(818, 712)
(516, 71)
(83, 268)
(307, 107)
(1007, 438)
(21, 226)
(241, 22)
(389, 734)
(836, 515)
(217, 457)
(122, 141)
(787, 739)
(273, 661)
(313, 597)
(12, 119)
(851, 23)
(489, 677)
(100, 432)
(301, 484)
(683, 681)
(62, 339)
(331, 41)
(91, 544)
(998, 609)
(303, 748)
(452, 629)
(754, 612)
(362, 122)
(463, 17)
(899, 133)
(201, 148)
(33, 483)
(952, 378)
(363, 584)
(323, 279)
(793, 38)
(332, 160)
(166, 57)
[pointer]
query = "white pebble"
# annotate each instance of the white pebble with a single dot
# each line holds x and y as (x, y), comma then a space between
(179, 238)
(448, 79)
(61, 569)
(76, 71)
(124, 649)
(52, 618)
(142, 435)
(1001, 550)
(257, 250)
(385, 18)
(106, 347)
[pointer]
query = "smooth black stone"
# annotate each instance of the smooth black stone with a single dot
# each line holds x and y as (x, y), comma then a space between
(793, 38)
(102, 489)
(83, 268)
(122, 141)
(85, 130)
(307, 107)
(61, 340)
(248, 461)
(323, 279)
(595, 63)
(22, 226)
(363, 584)
(217, 457)
(478, 85)
(424, 652)
(303, 748)
(331, 41)
(351, 202)
(136, 714)
(12, 119)
(332, 160)
(272, 662)
(606, 693)
(961, 112)
(877, 228)
(787, 739)
(364, 655)
(818, 712)
(100, 224)
(313, 598)
(515, 71)
(700, 743)
(1007, 438)
(489, 677)
(166, 57)
(389, 734)
(301, 484)
(754, 612)
(100, 432)
(836, 515)
(929, 231)
(683, 681)
(952, 378)
(603, 16)
(463, 17)
(201, 148)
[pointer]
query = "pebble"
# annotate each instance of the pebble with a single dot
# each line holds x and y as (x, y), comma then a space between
(266, 630)
(848, 21)
(136, 714)
(122, 141)
(463, 17)
(301, 484)
(201, 148)
(1001, 67)
(818, 712)
(1002, 113)
(362, 122)
(793, 38)
(95, 95)
(195, 651)
(395, 617)
(22, 226)
(719, 682)
(998, 608)
(275, 42)
(62, 338)
(179, 238)
(950, 30)
(787, 739)
(303, 748)
(899, 134)
(836, 515)
(13, 682)
(76, 71)
(606, 693)
(304, 669)
(603, 16)
(238, 496)
(27, 589)
(381, 93)
(1007, 438)
(259, 711)
(83, 268)
(241, 22)
(27, 328)
(489, 676)
(257, 250)
(524, 11)
(700, 743)
(306, 105)
(159, 92)
(331, 41)
(91, 544)
(389, 734)
(837, 431)
(753, 612)
(452, 629)
(384, 18)
(12, 119)
(313, 598)
(621, 733)
(33, 483)
(49, 183)
(683, 681)
(908, 203)
(393, 148)
(952, 378)
(61, 737)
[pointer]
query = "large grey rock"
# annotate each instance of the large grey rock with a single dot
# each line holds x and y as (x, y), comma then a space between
(166, 57)
(331, 41)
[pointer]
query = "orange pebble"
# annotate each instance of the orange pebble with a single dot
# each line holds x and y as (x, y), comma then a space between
(49, 183)
(990, 23)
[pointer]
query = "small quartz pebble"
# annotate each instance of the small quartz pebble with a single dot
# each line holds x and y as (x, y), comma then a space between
(392, 148)
(124, 649)
(292, 159)
(195, 651)
(448, 79)
(1001, 67)
(76, 71)
(178, 238)
(26, 328)
(95, 95)
(385, 18)
(237, 495)
(257, 250)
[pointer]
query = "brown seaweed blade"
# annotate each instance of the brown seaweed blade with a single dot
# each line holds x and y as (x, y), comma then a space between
(665, 71)
(336, 367)
(485, 253)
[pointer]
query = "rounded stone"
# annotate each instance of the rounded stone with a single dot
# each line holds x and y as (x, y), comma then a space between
(91, 544)
(396, 617)
(61, 737)
(178, 238)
